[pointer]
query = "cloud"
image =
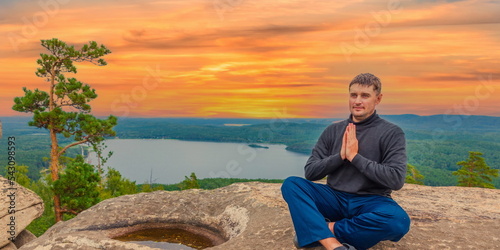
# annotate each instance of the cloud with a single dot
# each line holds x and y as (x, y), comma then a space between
(470, 79)
(265, 54)
(276, 30)
(441, 13)
(247, 40)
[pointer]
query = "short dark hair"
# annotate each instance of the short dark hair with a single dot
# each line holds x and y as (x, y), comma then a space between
(367, 79)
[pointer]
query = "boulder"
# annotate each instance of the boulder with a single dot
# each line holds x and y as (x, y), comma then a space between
(23, 238)
(449, 218)
(254, 216)
(19, 206)
(9, 246)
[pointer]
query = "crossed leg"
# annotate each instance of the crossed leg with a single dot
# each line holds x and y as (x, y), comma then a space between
(361, 221)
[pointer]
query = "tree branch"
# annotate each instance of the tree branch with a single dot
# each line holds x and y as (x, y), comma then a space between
(71, 145)
(69, 211)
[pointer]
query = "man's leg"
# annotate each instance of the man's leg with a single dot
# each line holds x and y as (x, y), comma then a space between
(309, 204)
(372, 219)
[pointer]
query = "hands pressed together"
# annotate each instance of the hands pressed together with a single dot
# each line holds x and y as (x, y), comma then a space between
(349, 143)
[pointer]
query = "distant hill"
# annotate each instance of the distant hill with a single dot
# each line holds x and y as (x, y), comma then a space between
(407, 121)
(472, 123)
(434, 143)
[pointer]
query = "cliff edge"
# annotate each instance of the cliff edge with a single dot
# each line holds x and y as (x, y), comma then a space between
(254, 216)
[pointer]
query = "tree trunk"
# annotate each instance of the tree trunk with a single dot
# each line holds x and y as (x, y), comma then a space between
(54, 171)
(54, 154)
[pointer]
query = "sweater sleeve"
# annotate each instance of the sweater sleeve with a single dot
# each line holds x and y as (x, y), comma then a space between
(322, 162)
(391, 171)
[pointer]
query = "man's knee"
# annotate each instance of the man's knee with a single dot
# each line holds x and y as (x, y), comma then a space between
(292, 185)
(402, 227)
(383, 224)
(399, 225)
(292, 182)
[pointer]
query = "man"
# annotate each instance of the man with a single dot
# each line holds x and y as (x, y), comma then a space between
(364, 158)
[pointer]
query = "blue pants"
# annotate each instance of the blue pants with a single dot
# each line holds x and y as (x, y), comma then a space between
(360, 220)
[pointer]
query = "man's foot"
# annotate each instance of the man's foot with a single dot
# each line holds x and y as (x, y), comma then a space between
(345, 247)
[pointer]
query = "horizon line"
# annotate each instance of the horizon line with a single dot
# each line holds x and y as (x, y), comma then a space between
(258, 118)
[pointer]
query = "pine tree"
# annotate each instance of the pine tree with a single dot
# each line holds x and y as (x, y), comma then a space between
(64, 109)
(189, 182)
(116, 185)
(77, 186)
(413, 176)
(475, 173)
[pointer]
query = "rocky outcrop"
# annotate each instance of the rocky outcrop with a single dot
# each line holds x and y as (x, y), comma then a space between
(18, 208)
(23, 238)
(254, 216)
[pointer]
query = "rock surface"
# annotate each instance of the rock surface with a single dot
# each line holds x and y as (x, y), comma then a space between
(254, 216)
(26, 204)
(9, 246)
(23, 238)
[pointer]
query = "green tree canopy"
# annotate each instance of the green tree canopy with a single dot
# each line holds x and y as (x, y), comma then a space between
(77, 186)
(190, 182)
(475, 173)
(116, 185)
(414, 176)
(64, 108)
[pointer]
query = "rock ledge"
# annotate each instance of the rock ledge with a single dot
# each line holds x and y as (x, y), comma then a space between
(254, 216)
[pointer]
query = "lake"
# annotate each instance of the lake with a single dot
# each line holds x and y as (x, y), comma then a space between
(168, 161)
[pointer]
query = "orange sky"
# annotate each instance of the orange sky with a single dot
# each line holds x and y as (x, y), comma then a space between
(263, 58)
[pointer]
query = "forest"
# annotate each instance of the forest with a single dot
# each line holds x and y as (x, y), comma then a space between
(434, 148)
(434, 143)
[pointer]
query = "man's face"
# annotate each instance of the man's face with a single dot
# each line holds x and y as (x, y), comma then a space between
(362, 101)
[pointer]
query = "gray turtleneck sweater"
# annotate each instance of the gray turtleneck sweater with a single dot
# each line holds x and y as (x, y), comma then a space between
(378, 168)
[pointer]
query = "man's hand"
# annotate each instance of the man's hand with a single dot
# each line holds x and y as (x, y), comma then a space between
(351, 142)
(344, 142)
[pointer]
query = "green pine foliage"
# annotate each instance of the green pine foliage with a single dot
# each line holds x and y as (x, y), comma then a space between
(49, 108)
(190, 182)
(414, 176)
(64, 108)
(475, 172)
(77, 186)
(115, 185)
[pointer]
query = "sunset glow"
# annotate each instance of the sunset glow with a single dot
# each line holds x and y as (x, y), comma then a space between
(253, 58)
